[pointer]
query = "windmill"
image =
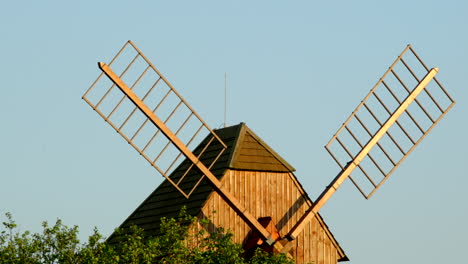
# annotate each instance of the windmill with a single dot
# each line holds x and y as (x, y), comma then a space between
(146, 110)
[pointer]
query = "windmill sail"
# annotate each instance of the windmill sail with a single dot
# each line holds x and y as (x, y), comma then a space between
(392, 117)
(158, 98)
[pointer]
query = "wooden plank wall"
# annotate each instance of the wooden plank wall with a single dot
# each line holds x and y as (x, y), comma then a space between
(277, 195)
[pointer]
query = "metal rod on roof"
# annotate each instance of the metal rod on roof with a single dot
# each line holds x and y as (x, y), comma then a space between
(225, 97)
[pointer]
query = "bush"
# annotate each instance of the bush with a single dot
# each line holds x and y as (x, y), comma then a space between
(60, 244)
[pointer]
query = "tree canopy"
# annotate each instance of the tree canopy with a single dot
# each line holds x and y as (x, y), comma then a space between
(60, 244)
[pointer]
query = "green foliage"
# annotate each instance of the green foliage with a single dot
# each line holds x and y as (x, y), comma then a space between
(175, 244)
(56, 244)
(261, 256)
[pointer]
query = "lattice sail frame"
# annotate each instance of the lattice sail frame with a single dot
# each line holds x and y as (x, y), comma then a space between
(157, 93)
(399, 141)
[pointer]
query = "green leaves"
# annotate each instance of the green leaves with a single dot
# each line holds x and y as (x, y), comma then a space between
(177, 243)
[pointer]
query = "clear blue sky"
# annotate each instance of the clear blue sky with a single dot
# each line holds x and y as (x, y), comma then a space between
(295, 69)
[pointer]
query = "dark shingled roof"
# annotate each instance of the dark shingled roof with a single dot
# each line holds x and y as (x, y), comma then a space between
(245, 151)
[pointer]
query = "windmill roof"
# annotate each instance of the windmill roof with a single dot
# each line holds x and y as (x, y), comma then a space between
(245, 151)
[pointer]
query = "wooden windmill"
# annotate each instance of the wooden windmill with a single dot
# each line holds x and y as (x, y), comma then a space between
(234, 172)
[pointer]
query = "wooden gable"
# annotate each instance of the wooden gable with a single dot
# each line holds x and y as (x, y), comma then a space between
(251, 153)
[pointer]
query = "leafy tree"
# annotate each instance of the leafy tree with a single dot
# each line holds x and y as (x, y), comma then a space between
(60, 244)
